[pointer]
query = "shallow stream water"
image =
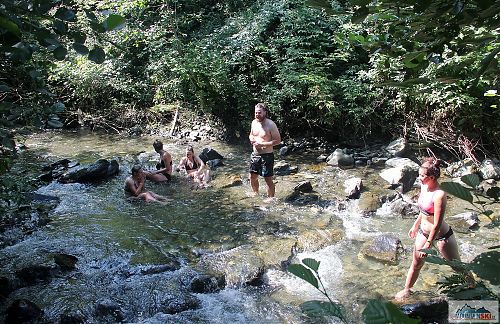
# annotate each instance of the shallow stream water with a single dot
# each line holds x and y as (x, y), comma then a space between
(115, 239)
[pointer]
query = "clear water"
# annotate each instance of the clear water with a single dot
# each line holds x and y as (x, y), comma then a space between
(114, 239)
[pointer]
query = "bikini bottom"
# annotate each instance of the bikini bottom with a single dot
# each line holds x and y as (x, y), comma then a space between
(441, 238)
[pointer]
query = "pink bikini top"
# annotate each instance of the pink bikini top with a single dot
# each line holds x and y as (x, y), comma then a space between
(426, 203)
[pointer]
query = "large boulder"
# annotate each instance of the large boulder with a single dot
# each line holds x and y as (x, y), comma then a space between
(385, 248)
(401, 175)
(353, 188)
(23, 311)
(239, 266)
(428, 311)
(399, 162)
(464, 222)
(209, 153)
(97, 171)
(461, 168)
(368, 204)
(489, 169)
(340, 159)
(398, 147)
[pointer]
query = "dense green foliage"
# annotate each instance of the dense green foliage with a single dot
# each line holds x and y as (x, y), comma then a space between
(354, 70)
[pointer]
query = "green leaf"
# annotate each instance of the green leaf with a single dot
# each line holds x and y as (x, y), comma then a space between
(113, 21)
(79, 37)
(311, 263)
(60, 26)
(493, 192)
(359, 15)
(60, 53)
(19, 52)
(378, 311)
(65, 14)
(97, 55)
(80, 48)
(10, 26)
(318, 308)
(457, 190)
(303, 273)
(486, 266)
(471, 180)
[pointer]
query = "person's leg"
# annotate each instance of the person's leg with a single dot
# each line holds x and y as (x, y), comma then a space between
(158, 177)
(449, 250)
(270, 187)
(416, 264)
(254, 182)
(146, 196)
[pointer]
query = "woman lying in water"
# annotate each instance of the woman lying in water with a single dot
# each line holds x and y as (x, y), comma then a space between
(135, 187)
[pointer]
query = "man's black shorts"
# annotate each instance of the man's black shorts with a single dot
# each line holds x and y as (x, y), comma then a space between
(262, 164)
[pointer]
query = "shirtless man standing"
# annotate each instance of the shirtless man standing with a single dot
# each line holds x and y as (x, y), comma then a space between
(263, 136)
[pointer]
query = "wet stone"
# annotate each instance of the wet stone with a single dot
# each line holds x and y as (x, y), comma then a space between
(385, 248)
(429, 311)
(180, 304)
(108, 309)
(33, 274)
(65, 261)
(23, 311)
(72, 317)
(204, 284)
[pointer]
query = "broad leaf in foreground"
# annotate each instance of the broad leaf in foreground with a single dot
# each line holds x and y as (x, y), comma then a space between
(379, 311)
(303, 273)
(457, 190)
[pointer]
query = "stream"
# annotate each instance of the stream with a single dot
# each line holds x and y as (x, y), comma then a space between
(121, 245)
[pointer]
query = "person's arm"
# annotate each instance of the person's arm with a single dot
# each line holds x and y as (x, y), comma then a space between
(414, 229)
(200, 163)
(251, 136)
(439, 208)
(131, 187)
(182, 164)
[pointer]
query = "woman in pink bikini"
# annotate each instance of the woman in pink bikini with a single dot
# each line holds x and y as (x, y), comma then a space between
(429, 227)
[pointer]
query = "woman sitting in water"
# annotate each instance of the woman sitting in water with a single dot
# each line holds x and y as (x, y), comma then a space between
(195, 168)
(164, 172)
(134, 186)
(430, 228)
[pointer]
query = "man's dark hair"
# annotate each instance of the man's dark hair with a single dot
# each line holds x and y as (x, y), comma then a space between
(158, 145)
(136, 168)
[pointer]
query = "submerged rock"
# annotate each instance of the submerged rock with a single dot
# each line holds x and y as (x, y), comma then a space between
(109, 310)
(204, 284)
(239, 266)
(428, 311)
(23, 311)
(31, 275)
(65, 261)
(72, 317)
(97, 171)
(385, 248)
(180, 304)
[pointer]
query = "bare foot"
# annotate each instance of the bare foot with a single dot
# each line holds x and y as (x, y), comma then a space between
(252, 194)
(270, 200)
